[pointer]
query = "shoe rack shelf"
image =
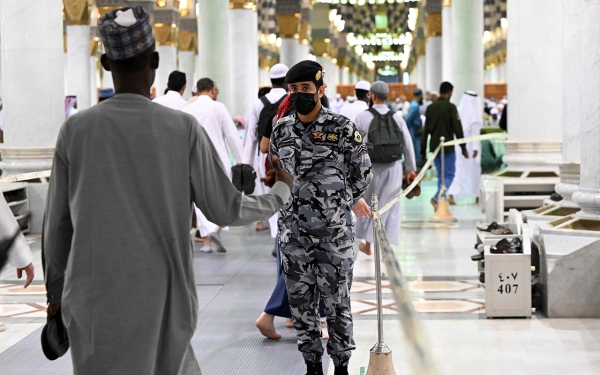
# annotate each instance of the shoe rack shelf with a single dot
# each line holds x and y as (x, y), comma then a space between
(508, 281)
(515, 224)
(18, 200)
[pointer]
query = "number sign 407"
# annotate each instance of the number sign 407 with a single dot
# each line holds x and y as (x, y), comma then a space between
(508, 288)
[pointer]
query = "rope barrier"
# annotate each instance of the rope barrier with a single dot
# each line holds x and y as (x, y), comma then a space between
(422, 361)
(421, 175)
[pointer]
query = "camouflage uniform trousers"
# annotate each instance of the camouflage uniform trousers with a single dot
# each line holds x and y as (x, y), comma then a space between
(313, 272)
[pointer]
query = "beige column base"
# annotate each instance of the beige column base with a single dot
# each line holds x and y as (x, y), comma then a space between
(2, 327)
(18, 160)
(533, 157)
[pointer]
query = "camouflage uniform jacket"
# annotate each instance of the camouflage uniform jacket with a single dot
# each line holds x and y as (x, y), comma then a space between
(331, 169)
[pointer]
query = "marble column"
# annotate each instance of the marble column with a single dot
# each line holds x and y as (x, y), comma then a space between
(214, 52)
(77, 17)
(188, 41)
(244, 63)
(166, 27)
(264, 77)
(588, 195)
(288, 19)
(571, 100)
(32, 67)
(448, 43)
(467, 34)
(107, 81)
(95, 47)
(535, 132)
(422, 76)
(290, 52)
(433, 51)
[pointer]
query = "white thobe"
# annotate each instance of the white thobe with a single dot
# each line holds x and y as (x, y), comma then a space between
(172, 99)
(252, 155)
(351, 110)
(467, 178)
(215, 119)
(387, 179)
(19, 254)
(337, 105)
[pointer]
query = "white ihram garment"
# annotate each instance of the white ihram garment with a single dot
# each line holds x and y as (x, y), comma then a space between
(468, 171)
(172, 99)
(252, 155)
(215, 119)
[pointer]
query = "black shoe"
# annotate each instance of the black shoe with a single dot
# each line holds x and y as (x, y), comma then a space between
(556, 197)
(274, 252)
(494, 228)
(341, 370)
(482, 277)
(314, 368)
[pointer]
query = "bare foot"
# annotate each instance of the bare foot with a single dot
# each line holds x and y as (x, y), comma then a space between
(365, 247)
(264, 323)
(260, 226)
(451, 201)
(289, 323)
(325, 332)
(202, 239)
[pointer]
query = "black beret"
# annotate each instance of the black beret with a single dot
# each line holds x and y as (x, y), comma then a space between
(304, 71)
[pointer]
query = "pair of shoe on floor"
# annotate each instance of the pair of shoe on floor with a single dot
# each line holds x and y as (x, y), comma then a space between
(494, 228)
(317, 369)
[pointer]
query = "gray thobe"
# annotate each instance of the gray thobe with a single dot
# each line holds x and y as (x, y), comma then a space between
(117, 233)
(387, 179)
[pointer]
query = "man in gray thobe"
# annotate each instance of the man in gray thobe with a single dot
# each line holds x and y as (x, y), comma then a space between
(387, 177)
(118, 255)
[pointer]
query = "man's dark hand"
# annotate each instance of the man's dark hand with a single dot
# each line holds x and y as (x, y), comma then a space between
(465, 153)
(475, 153)
(269, 179)
(51, 311)
(410, 177)
(280, 174)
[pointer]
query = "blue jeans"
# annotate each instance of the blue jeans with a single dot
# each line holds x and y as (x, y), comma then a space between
(449, 168)
(416, 141)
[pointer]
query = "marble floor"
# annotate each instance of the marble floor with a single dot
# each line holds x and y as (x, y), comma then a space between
(444, 286)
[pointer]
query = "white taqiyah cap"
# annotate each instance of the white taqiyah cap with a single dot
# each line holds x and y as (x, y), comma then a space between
(362, 85)
(278, 71)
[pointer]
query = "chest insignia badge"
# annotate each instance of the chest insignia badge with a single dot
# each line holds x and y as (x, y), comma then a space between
(332, 137)
(318, 136)
(357, 137)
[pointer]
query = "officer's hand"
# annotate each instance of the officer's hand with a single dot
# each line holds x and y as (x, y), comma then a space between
(280, 174)
(475, 153)
(465, 153)
(410, 177)
(28, 271)
(361, 209)
(51, 311)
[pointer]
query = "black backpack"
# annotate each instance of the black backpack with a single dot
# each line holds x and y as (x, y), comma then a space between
(267, 116)
(386, 137)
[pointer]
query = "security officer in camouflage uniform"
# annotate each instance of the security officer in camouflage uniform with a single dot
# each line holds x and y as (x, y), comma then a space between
(331, 167)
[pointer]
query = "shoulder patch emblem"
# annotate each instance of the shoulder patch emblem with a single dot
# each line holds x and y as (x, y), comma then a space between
(357, 137)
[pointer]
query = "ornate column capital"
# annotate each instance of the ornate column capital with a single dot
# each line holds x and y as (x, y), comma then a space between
(105, 6)
(446, 3)
(243, 4)
(288, 24)
(77, 12)
(434, 24)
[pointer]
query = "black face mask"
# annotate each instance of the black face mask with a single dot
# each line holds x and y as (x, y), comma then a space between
(303, 103)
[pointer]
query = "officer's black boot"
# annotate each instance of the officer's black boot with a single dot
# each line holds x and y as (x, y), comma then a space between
(314, 368)
(341, 370)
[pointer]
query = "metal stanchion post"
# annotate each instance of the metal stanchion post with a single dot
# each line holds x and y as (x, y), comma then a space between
(380, 360)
